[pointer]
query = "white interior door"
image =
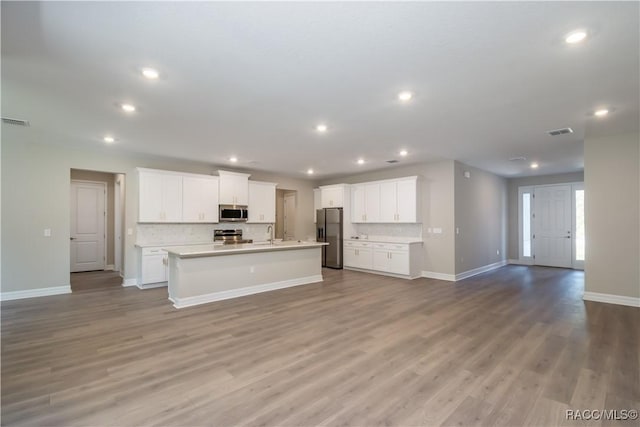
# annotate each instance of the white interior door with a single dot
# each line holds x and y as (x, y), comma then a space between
(88, 231)
(552, 226)
(289, 217)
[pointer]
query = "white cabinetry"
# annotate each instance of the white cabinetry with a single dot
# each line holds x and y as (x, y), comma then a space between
(398, 200)
(234, 188)
(154, 268)
(365, 202)
(396, 259)
(160, 196)
(200, 199)
(262, 202)
(333, 196)
(358, 255)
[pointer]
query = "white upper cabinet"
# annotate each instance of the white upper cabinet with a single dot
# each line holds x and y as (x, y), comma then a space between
(398, 200)
(200, 199)
(234, 188)
(160, 196)
(262, 202)
(332, 196)
(365, 200)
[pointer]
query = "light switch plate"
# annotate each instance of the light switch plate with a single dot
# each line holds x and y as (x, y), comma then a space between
(129, 231)
(47, 232)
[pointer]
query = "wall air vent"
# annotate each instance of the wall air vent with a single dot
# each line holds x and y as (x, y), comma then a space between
(517, 159)
(557, 132)
(392, 161)
(15, 122)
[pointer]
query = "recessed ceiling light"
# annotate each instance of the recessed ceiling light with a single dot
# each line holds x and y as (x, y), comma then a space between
(321, 128)
(128, 108)
(403, 153)
(150, 73)
(601, 113)
(575, 36)
(405, 96)
(108, 139)
(310, 171)
(361, 161)
(534, 165)
(233, 159)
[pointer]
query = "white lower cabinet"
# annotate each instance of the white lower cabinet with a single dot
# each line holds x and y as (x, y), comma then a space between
(403, 259)
(154, 268)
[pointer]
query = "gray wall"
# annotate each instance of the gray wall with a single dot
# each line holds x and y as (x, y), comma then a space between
(612, 215)
(481, 218)
(513, 184)
(32, 202)
(436, 187)
(109, 179)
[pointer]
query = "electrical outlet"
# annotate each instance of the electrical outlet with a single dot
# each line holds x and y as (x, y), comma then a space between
(47, 232)
(498, 252)
(252, 269)
(457, 230)
(129, 231)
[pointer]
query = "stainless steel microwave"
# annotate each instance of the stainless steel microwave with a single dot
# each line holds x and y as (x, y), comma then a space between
(233, 213)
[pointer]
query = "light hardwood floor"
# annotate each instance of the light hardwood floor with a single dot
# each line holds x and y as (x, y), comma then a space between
(517, 346)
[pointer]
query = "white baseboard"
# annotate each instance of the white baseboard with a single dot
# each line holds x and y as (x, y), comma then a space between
(439, 276)
(519, 262)
(32, 293)
(479, 270)
(382, 273)
(153, 285)
(249, 290)
(110, 267)
(611, 299)
(129, 282)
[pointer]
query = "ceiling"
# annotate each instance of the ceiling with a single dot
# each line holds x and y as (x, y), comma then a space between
(253, 80)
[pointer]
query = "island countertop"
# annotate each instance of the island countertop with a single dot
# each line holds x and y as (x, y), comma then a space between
(197, 251)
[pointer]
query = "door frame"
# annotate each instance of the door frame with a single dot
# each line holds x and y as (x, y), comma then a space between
(106, 216)
(117, 225)
(294, 196)
(577, 265)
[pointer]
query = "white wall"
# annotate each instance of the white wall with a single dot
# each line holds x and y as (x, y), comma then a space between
(612, 215)
(32, 202)
(481, 218)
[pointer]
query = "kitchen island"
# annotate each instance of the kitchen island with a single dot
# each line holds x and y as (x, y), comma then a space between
(199, 274)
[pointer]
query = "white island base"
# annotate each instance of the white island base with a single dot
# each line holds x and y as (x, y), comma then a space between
(202, 274)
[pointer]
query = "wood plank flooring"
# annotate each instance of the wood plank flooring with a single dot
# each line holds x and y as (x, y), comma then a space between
(516, 346)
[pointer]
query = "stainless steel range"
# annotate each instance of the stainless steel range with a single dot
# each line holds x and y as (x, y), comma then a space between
(229, 237)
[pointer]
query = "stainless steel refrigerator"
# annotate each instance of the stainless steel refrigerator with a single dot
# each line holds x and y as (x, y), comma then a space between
(329, 230)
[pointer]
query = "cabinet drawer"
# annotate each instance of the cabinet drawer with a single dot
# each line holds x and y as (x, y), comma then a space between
(392, 246)
(153, 251)
(357, 244)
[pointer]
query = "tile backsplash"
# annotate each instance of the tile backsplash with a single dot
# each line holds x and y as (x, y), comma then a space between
(395, 230)
(163, 234)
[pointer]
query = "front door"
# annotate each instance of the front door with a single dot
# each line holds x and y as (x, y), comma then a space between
(87, 226)
(552, 226)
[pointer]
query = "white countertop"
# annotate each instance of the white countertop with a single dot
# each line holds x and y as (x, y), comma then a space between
(194, 251)
(387, 239)
(167, 245)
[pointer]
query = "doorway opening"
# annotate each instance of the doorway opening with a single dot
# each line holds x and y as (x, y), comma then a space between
(551, 225)
(96, 229)
(286, 213)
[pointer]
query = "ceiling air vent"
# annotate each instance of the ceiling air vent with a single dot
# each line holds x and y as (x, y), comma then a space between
(15, 122)
(557, 132)
(392, 161)
(517, 159)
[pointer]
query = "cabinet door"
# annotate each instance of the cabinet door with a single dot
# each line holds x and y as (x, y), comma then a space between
(210, 202)
(398, 262)
(332, 197)
(349, 257)
(381, 260)
(154, 269)
(172, 198)
(406, 201)
(358, 203)
(388, 202)
(227, 190)
(191, 199)
(241, 185)
(372, 202)
(262, 202)
(150, 197)
(365, 258)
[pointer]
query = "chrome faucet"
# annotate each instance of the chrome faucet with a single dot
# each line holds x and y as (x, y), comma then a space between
(270, 231)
